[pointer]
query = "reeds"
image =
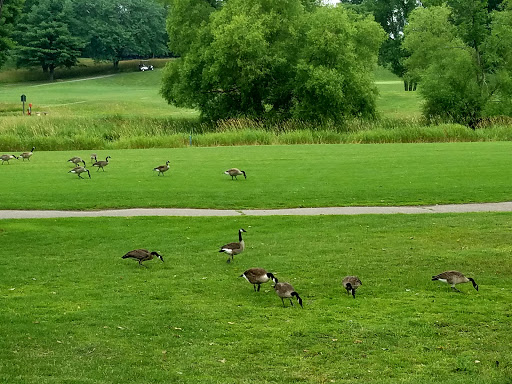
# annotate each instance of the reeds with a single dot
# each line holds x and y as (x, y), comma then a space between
(118, 132)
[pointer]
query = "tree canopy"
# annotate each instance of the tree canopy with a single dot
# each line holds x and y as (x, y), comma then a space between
(45, 39)
(461, 54)
(10, 11)
(265, 59)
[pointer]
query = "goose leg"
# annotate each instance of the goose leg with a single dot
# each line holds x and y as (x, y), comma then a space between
(283, 302)
(291, 302)
(259, 286)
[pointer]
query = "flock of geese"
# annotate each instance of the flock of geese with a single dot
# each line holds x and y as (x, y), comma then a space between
(258, 276)
(255, 276)
(101, 164)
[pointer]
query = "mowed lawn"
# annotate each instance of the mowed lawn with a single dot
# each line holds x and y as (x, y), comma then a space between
(133, 94)
(277, 177)
(73, 311)
(137, 94)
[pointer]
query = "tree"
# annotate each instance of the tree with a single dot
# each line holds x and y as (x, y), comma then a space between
(118, 29)
(271, 59)
(10, 11)
(392, 15)
(456, 53)
(45, 39)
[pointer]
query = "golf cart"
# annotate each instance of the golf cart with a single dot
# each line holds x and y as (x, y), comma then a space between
(144, 66)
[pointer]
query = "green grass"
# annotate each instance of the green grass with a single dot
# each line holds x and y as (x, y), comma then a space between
(73, 311)
(111, 95)
(125, 110)
(277, 177)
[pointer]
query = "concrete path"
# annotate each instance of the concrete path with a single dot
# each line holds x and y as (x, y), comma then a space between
(454, 208)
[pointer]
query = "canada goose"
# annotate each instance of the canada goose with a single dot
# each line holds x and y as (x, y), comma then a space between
(234, 172)
(454, 277)
(142, 255)
(234, 248)
(258, 276)
(286, 291)
(7, 158)
(101, 164)
(79, 170)
(93, 157)
(27, 155)
(162, 168)
(75, 160)
(351, 283)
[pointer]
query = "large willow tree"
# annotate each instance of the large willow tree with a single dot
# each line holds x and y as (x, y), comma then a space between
(267, 58)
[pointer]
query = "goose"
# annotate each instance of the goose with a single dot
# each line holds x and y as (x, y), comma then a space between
(351, 283)
(75, 160)
(142, 255)
(101, 164)
(27, 155)
(93, 157)
(7, 158)
(234, 248)
(258, 276)
(286, 291)
(78, 170)
(162, 168)
(453, 278)
(234, 172)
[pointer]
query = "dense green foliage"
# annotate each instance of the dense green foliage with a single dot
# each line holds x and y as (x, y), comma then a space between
(74, 312)
(115, 30)
(462, 56)
(9, 13)
(392, 16)
(53, 34)
(271, 59)
(45, 39)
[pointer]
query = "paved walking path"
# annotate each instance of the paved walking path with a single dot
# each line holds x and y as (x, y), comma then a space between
(455, 208)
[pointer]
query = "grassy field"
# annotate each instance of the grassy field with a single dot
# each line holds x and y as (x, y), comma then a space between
(73, 311)
(277, 177)
(125, 110)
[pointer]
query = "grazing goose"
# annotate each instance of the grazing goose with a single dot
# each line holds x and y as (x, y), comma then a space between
(454, 277)
(75, 160)
(258, 276)
(27, 155)
(78, 170)
(351, 283)
(93, 157)
(101, 164)
(286, 291)
(234, 172)
(162, 168)
(7, 158)
(234, 248)
(142, 255)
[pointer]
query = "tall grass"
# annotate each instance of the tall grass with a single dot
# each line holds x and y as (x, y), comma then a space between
(116, 132)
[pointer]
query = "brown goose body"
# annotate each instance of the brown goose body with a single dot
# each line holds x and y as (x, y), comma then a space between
(233, 249)
(5, 158)
(453, 278)
(27, 155)
(286, 291)
(101, 164)
(258, 276)
(351, 283)
(142, 255)
(93, 157)
(79, 170)
(234, 172)
(75, 160)
(162, 168)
